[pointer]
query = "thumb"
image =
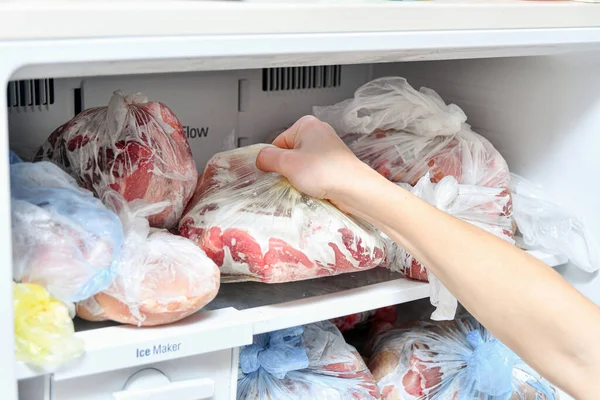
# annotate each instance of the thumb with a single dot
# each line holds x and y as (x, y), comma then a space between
(270, 159)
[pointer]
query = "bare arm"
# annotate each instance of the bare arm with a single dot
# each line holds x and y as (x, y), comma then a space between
(527, 305)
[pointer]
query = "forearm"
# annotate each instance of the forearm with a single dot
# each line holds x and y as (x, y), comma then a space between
(513, 294)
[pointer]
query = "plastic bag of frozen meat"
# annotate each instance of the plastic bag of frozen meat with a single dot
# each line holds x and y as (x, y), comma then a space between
(404, 133)
(451, 360)
(349, 322)
(256, 226)
(44, 332)
(548, 226)
(161, 278)
(487, 208)
(135, 147)
(63, 238)
(303, 363)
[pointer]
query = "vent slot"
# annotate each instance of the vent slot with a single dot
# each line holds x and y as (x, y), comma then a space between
(30, 93)
(299, 78)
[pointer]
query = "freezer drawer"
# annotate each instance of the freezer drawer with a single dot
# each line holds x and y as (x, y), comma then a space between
(207, 376)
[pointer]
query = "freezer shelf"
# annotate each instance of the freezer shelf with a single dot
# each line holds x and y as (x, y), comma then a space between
(239, 311)
(67, 19)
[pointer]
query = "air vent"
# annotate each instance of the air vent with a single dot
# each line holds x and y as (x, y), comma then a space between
(298, 78)
(30, 93)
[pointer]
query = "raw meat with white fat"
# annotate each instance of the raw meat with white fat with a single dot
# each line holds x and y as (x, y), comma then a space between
(407, 135)
(161, 277)
(449, 361)
(304, 363)
(404, 134)
(256, 226)
(135, 147)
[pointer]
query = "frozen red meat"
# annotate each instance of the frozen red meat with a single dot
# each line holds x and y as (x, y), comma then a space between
(349, 322)
(451, 360)
(135, 147)
(256, 226)
(404, 134)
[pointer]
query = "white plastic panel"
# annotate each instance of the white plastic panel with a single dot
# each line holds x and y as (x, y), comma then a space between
(30, 126)
(210, 375)
(105, 18)
(264, 113)
(109, 346)
(37, 388)
(543, 115)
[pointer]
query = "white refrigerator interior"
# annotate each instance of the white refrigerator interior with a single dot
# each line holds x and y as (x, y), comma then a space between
(527, 76)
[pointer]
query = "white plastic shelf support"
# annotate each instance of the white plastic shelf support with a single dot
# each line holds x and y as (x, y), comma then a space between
(8, 382)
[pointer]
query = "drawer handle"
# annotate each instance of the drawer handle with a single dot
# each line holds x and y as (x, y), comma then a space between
(151, 384)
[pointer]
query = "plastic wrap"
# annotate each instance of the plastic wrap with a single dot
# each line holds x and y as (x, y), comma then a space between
(451, 360)
(487, 208)
(303, 363)
(135, 147)
(404, 134)
(63, 238)
(161, 278)
(349, 322)
(550, 227)
(256, 226)
(43, 328)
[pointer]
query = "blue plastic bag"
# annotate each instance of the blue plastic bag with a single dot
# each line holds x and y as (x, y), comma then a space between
(13, 158)
(64, 239)
(303, 363)
(452, 360)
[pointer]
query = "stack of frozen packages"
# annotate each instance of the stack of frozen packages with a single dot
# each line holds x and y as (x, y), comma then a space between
(407, 135)
(161, 278)
(44, 333)
(63, 238)
(549, 227)
(135, 147)
(303, 363)
(256, 226)
(352, 321)
(451, 360)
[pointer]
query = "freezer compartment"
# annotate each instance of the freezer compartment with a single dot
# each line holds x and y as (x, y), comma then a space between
(511, 101)
(208, 376)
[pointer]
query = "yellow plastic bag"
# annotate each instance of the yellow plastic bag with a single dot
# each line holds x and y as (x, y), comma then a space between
(44, 332)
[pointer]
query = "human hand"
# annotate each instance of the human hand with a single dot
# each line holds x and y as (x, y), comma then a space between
(316, 161)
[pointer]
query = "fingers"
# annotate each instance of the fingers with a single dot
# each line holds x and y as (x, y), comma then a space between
(290, 138)
(270, 160)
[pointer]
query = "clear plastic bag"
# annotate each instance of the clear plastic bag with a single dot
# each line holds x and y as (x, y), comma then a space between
(135, 147)
(404, 134)
(44, 333)
(487, 208)
(303, 363)
(63, 238)
(161, 278)
(451, 360)
(548, 226)
(256, 226)
(384, 315)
